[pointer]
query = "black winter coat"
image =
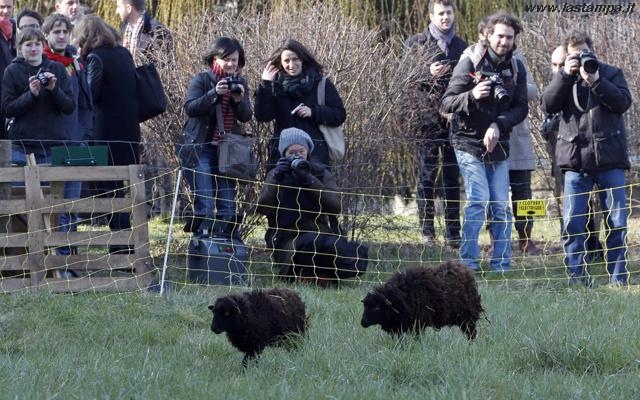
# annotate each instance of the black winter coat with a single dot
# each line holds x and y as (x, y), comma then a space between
(471, 118)
(202, 102)
(112, 78)
(594, 140)
(291, 209)
(272, 104)
(435, 126)
(36, 118)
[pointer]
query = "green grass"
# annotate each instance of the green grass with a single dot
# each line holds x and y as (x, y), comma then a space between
(537, 343)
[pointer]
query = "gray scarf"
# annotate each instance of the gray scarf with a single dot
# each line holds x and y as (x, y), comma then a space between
(443, 38)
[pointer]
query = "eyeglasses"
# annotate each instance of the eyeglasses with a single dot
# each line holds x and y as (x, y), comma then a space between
(35, 26)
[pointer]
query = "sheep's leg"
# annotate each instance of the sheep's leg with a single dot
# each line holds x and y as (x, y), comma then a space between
(469, 328)
(252, 355)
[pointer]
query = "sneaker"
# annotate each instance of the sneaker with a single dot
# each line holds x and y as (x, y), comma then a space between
(66, 274)
(453, 244)
(528, 247)
(580, 280)
(428, 240)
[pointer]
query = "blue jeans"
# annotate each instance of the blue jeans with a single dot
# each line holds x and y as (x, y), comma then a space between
(210, 189)
(486, 185)
(613, 199)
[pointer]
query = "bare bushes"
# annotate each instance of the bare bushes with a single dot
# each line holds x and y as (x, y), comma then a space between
(373, 80)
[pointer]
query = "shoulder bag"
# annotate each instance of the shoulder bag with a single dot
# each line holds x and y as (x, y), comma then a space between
(235, 153)
(151, 98)
(333, 135)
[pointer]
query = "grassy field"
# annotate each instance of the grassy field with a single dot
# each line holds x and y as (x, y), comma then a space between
(540, 339)
(537, 342)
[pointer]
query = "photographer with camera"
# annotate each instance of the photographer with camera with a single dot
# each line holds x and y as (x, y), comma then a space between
(487, 99)
(218, 102)
(443, 47)
(591, 149)
(36, 93)
(301, 202)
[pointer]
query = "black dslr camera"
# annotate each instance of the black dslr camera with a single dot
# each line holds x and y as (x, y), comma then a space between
(588, 61)
(234, 84)
(299, 165)
(499, 92)
(40, 75)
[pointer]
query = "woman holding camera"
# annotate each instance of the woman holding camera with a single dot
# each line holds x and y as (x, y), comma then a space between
(217, 102)
(288, 95)
(36, 92)
(301, 201)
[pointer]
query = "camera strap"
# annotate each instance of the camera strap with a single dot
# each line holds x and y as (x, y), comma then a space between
(575, 98)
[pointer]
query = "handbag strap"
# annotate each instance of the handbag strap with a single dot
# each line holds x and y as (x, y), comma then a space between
(219, 116)
(321, 90)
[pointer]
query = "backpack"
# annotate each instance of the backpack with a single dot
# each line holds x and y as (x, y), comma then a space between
(476, 51)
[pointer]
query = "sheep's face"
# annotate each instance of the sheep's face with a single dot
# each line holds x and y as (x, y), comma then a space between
(376, 309)
(225, 312)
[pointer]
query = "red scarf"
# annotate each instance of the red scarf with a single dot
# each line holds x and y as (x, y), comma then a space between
(227, 111)
(6, 28)
(64, 60)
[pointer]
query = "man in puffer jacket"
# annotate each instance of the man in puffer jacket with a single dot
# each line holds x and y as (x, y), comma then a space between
(591, 149)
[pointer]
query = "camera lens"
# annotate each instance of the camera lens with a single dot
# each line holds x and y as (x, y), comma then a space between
(501, 95)
(589, 62)
(299, 164)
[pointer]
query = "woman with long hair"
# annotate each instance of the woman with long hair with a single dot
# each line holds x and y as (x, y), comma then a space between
(111, 75)
(288, 95)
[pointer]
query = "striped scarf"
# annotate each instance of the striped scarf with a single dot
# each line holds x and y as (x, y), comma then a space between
(227, 111)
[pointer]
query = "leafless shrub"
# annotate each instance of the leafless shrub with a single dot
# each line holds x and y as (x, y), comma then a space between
(375, 82)
(382, 87)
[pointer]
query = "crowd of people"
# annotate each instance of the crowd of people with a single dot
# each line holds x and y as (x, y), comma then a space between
(476, 127)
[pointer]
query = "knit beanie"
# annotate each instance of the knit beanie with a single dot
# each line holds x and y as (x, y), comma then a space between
(291, 136)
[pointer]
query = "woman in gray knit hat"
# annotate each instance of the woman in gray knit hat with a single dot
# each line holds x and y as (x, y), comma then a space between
(301, 201)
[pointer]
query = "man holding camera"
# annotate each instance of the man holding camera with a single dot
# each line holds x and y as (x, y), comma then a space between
(443, 47)
(591, 150)
(487, 99)
(301, 202)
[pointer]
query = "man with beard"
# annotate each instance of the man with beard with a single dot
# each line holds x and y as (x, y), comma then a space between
(487, 99)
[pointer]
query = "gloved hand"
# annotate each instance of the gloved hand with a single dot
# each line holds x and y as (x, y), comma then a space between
(303, 176)
(283, 167)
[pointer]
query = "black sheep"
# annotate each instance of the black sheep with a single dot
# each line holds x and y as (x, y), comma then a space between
(254, 320)
(425, 297)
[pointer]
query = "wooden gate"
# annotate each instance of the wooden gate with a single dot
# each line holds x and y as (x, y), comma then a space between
(30, 233)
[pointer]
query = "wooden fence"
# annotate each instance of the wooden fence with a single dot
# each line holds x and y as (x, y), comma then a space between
(30, 233)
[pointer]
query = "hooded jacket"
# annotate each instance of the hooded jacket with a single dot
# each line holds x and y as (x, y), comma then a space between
(36, 118)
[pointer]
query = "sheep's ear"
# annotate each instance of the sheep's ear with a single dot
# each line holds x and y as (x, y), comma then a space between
(211, 307)
(234, 306)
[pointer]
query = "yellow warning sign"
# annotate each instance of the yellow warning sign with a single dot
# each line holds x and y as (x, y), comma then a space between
(527, 208)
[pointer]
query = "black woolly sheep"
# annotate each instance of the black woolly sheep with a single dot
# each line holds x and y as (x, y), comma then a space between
(425, 297)
(254, 320)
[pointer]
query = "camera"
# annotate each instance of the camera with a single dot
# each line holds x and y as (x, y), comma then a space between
(499, 92)
(299, 165)
(44, 80)
(588, 61)
(234, 84)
